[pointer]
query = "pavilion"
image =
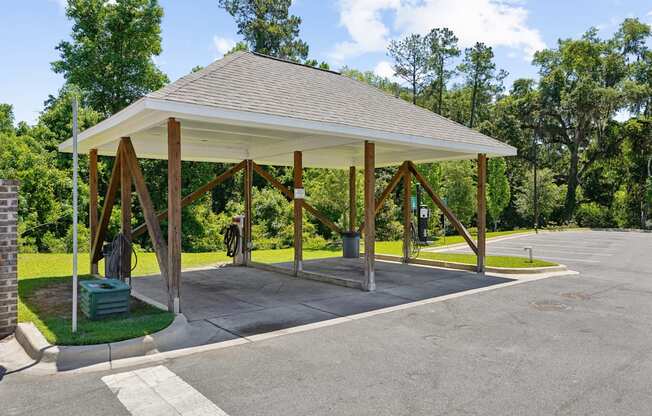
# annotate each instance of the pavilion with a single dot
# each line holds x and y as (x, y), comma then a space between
(255, 110)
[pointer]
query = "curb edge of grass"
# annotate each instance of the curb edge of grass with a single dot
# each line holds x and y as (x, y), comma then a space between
(67, 357)
(472, 268)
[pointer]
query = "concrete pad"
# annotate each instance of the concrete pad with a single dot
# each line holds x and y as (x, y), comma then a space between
(271, 319)
(246, 301)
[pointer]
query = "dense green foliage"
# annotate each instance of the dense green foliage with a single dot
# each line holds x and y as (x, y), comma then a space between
(268, 27)
(592, 167)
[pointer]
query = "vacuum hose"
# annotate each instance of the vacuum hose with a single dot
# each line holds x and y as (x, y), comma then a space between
(114, 260)
(231, 239)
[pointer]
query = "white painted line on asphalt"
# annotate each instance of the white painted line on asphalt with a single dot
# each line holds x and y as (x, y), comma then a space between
(157, 391)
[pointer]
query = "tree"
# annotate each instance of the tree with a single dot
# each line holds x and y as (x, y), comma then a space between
(268, 27)
(412, 61)
(110, 56)
(459, 190)
(6, 118)
(498, 193)
(549, 195)
(578, 97)
(481, 76)
(443, 47)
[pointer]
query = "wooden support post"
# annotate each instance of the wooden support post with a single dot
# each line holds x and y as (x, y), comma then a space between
(298, 214)
(109, 200)
(125, 218)
(174, 213)
(407, 215)
(192, 197)
(482, 211)
(128, 155)
(393, 182)
(248, 184)
(290, 196)
(440, 204)
(92, 204)
(369, 283)
(352, 201)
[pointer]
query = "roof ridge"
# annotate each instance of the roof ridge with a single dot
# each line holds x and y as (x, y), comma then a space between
(196, 76)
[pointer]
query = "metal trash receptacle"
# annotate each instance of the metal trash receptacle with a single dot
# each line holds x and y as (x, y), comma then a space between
(350, 245)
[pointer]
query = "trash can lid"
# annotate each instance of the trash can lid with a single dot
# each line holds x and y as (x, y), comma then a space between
(350, 234)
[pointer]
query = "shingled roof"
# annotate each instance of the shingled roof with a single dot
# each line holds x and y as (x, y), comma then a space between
(251, 82)
(250, 90)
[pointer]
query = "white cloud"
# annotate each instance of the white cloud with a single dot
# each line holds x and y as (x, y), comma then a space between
(385, 70)
(495, 22)
(222, 45)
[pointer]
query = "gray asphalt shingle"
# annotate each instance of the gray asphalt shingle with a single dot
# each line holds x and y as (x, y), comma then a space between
(250, 82)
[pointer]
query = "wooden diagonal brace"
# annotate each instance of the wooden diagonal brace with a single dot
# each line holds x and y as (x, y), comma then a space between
(109, 200)
(153, 226)
(393, 182)
(190, 198)
(290, 196)
(447, 212)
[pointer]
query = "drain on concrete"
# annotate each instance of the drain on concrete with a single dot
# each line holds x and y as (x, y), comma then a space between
(549, 306)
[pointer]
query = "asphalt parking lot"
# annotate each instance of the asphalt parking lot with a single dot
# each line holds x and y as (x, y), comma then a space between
(573, 345)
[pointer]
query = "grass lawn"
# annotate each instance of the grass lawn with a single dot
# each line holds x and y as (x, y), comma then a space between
(44, 287)
(492, 261)
(46, 302)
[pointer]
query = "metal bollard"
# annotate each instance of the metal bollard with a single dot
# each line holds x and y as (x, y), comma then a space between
(529, 250)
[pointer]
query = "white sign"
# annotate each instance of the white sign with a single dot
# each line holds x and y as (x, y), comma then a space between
(299, 193)
(423, 213)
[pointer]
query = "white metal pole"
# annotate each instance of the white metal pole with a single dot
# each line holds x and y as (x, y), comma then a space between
(75, 167)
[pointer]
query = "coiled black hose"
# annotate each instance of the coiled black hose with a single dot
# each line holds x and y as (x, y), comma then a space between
(117, 248)
(231, 239)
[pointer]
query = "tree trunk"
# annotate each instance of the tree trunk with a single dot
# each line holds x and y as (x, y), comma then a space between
(569, 205)
(441, 87)
(473, 97)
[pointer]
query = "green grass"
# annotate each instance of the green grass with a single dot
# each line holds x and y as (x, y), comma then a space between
(46, 302)
(492, 261)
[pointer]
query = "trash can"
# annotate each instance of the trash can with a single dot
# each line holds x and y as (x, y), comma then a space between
(350, 245)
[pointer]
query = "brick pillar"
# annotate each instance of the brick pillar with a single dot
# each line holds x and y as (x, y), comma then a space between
(8, 256)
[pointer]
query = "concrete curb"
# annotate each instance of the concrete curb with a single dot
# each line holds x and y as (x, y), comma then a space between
(69, 357)
(472, 268)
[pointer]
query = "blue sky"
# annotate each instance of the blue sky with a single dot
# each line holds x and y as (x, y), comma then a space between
(351, 32)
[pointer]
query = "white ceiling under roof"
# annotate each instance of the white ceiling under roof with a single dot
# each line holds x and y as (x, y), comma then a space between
(246, 106)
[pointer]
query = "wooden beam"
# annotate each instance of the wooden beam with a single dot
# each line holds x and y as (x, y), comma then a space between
(352, 199)
(369, 283)
(298, 217)
(153, 226)
(125, 219)
(92, 204)
(407, 215)
(290, 196)
(440, 204)
(393, 182)
(482, 211)
(109, 200)
(190, 198)
(248, 185)
(174, 213)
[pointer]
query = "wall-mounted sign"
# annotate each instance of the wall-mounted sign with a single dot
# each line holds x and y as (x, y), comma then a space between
(299, 193)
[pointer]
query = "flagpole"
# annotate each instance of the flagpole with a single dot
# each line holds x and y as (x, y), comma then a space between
(75, 167)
